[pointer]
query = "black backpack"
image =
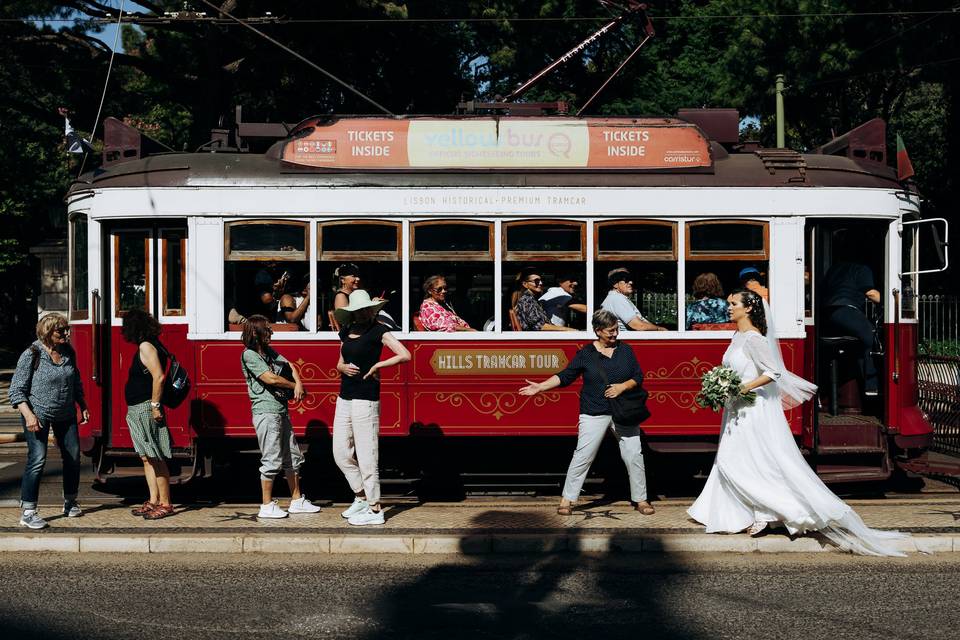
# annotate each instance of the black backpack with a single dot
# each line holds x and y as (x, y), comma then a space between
(176, 386)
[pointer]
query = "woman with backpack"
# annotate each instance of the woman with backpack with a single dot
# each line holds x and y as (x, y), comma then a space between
(47, 390)
(148, 426)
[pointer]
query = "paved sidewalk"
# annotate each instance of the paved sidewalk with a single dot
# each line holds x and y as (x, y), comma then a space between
(471, 527)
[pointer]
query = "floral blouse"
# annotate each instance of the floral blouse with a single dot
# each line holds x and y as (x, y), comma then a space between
(707, 311)
(435, 317)
(530, 313)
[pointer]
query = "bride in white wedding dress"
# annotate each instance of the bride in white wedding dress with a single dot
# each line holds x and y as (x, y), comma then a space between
(759, 476)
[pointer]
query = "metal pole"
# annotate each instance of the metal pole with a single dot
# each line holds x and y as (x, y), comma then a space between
(781, 138)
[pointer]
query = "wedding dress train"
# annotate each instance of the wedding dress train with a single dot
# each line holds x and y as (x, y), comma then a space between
(759, 474)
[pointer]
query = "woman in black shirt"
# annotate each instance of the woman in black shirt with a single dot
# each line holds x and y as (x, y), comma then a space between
(148, 426)
(356, 424)
(605, 355)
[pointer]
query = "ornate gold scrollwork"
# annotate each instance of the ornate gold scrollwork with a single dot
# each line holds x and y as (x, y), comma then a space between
(692, 369)
(682, 399)
(311, 371)
(494, 404)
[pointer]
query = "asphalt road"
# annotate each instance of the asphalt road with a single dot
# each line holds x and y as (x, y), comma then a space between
(702, 596)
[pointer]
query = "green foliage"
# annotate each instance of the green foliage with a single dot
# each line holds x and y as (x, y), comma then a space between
(940, 348)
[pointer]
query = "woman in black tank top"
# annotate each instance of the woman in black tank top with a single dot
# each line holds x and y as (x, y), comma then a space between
(148, 428)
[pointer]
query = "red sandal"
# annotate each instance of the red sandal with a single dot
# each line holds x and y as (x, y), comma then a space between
(143, 509)
(159, 511)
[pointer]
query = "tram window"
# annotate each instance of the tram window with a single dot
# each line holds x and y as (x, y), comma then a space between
(371, 246)
(728, 276)
(266, 238)
(552, 252)
(79, 278)
(344, 240)
(654, 288)
(562, 292)
(543, 240)
(728, 240)
(265, 261)
(636, 240)
(453, 239)
(131, 279)
(462, 253)
(174, 254)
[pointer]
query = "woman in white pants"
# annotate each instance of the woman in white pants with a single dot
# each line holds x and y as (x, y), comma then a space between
(616, 360)
(356, 425)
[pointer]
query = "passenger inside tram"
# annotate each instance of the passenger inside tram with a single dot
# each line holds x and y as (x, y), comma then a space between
(436, 314)
(295, 302)
(709, 306)
(529, 314)
(346, 280)
(618, 301)
(751, 278)
(258, 288)
(381, 279)
(469, 290)
(561, 302)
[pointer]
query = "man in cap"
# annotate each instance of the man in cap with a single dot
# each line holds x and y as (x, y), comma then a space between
(617, 302)
(750, 279)
(557, 300)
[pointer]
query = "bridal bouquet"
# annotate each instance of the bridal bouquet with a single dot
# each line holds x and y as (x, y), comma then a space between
(719, 385)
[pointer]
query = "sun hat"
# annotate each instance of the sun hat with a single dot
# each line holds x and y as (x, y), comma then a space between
(747, 271)
(359, 299)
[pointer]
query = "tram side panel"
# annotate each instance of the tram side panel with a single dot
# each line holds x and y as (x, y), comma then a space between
(82, 340)
(444, 390)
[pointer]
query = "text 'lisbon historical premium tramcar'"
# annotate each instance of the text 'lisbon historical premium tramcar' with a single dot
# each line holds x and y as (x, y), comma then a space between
(193, 237)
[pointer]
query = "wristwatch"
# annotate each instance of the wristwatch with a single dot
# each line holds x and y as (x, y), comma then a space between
(155, 405)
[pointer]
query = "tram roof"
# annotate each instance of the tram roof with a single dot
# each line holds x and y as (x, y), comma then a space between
(763, 168)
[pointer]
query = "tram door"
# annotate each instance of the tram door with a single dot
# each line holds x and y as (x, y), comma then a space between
(848, 425)
(146, 264)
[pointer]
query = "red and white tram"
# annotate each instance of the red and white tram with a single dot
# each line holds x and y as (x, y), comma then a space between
(186, 235)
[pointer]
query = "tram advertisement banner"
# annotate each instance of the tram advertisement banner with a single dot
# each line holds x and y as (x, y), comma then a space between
(487, 143)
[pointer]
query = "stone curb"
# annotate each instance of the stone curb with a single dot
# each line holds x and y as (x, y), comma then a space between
(472, 544)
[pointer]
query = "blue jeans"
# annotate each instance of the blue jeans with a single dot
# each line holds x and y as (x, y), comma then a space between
(68, 441)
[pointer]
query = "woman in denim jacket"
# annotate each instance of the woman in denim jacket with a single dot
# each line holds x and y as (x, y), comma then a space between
(47, 390)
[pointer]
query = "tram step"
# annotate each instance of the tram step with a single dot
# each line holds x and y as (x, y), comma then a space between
(852, 473)
(841, 449)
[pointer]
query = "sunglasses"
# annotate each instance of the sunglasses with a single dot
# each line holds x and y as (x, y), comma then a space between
(62, 330)
(535, 282)
(440, 290)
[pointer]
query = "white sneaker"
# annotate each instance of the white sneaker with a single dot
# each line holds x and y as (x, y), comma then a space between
(271, 510)
(32, 520)
(365, 517)
(302, 505)
(359, 505)
(71, 509)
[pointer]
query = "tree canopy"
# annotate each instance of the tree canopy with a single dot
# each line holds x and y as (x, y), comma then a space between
(178, 76)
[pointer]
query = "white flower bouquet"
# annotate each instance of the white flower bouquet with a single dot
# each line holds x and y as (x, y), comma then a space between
(719, 385)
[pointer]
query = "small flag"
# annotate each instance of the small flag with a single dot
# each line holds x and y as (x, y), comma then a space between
(75, 142)
(904, 166)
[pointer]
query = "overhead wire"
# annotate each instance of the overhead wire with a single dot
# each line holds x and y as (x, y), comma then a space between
(135, 18)
(106, 82)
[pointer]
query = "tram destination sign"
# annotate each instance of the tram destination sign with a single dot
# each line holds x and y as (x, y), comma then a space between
(505, 143)
(482, 361)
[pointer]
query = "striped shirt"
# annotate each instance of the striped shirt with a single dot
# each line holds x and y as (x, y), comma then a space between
(619, 367)
(53, 390)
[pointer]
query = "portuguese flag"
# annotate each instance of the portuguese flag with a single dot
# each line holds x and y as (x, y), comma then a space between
(904, 166)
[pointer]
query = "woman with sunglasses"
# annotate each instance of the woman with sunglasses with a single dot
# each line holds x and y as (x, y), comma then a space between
(47, 390)
(526, 304)
(436, 314)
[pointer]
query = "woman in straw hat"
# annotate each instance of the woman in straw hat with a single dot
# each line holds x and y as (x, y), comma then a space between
(356, 425)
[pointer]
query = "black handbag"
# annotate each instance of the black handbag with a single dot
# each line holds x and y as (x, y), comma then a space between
(282, 369)
(630, 407)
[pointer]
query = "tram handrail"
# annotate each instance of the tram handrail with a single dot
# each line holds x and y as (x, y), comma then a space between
(95, 337)
(896, 335)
